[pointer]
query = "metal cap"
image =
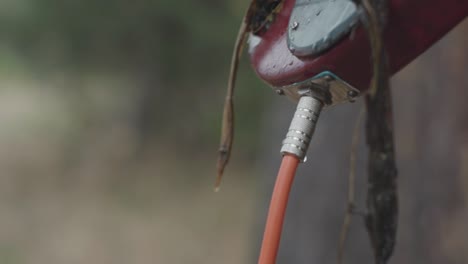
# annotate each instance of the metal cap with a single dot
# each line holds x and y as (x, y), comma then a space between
(315, 25)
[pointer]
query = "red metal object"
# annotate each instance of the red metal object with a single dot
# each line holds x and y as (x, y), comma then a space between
(413, 26)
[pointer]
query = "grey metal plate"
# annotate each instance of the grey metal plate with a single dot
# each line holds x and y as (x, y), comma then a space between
(315, 25)
(326, 85)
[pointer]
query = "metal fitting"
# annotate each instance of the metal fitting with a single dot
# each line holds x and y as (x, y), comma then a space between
(302, 127)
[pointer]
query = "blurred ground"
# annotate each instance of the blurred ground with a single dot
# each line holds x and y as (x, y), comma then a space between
(91, 200)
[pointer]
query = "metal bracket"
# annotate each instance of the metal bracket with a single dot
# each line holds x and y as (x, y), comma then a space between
(326, 86)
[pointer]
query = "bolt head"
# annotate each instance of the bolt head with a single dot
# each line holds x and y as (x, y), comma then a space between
(352, 95)
(294, 25)
(279, 91)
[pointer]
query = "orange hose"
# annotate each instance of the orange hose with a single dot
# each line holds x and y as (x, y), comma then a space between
(279, 201)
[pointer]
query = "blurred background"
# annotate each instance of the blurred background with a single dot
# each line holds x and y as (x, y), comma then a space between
(109, 124)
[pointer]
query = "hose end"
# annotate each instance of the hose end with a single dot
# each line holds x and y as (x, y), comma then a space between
(302, 127)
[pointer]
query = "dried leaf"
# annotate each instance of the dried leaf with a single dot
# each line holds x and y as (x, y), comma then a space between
(227, 129)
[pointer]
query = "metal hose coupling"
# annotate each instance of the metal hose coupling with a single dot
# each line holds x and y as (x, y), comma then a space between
(302, 127)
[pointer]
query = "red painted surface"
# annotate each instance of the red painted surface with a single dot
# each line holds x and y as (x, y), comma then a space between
(413, 26)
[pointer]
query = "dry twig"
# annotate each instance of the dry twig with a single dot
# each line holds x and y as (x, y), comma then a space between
(351, 186)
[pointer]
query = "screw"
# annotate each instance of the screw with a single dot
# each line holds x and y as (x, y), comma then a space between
(328, 78)
(294, 25)
(279, 91)
(351, 95)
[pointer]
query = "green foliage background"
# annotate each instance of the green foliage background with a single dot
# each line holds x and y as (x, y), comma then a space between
(175, 55)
